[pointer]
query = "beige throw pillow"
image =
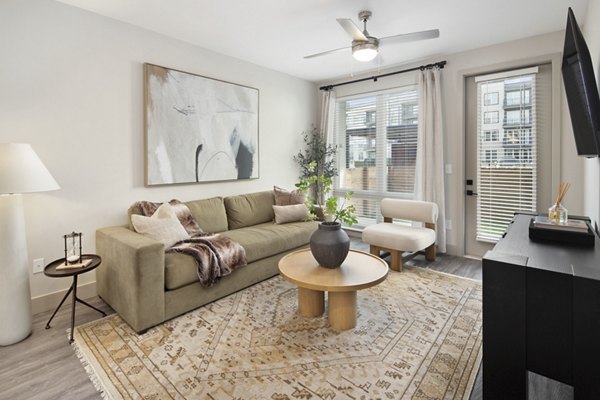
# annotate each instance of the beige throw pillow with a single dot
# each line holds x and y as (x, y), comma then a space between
(163, 226)
(284, 197)
(291, 213)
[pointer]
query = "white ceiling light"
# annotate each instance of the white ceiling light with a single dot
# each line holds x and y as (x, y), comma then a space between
(365, 51)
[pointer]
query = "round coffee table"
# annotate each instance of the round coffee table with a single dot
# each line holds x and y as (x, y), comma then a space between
(359, 271)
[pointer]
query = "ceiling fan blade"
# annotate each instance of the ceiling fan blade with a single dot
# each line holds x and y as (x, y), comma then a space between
(353, 30)
(327, 52)
(413, 36)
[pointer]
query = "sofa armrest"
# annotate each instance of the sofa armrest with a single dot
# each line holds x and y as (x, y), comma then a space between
(131, 278)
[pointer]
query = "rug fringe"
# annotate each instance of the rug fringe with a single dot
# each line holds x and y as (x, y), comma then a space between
(473, 376)
(89, 370)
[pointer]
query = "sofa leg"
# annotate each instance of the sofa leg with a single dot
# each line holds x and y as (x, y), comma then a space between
(430, 253)
(396, 263)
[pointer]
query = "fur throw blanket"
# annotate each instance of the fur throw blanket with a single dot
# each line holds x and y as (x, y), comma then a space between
(215, 255)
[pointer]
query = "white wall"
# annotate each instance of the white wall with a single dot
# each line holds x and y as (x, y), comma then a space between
(591, 32)
(71, 85)
(522, 52)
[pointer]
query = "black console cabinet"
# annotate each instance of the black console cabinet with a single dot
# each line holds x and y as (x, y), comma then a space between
(541, 313)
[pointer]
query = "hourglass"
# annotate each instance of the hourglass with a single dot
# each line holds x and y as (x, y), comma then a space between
(72, 247)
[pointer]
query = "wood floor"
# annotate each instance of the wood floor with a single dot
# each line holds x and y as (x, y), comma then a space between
(44, 366)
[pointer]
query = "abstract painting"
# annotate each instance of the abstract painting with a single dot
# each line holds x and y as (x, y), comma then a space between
(198, 129)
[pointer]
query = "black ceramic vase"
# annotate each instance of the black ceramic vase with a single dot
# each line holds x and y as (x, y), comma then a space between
(329, 244)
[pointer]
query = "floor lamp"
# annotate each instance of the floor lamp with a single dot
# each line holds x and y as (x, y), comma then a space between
(21, 171)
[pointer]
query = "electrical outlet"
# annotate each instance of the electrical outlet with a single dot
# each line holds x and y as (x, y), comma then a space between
(38, 265)
(448, 224)
(448, 169)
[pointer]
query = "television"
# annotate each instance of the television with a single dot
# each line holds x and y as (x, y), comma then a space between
(582, 92)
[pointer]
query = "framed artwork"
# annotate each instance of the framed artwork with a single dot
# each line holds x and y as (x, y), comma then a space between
(198, 129)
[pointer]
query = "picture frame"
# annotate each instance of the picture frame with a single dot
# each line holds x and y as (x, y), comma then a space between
(198, 129)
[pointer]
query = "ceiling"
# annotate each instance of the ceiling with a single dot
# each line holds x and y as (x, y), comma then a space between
(277, 34)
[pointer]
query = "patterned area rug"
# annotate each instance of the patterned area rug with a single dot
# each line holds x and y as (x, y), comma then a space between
(418, 336)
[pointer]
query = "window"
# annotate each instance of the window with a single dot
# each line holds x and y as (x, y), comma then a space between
(526, 136)
(517, 117)
(513, 117)
(511, 137)
(491, 156)
(370, 118)
(490, 99)
(513, 98)
(491, 136)
(490, 117)
(376, 160)
(409, 113)
(518, 97)
(507, 173)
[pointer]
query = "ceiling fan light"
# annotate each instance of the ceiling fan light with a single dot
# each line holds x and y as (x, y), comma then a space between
(364, 51)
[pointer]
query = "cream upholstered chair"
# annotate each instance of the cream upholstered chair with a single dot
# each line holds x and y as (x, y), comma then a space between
(397, 238)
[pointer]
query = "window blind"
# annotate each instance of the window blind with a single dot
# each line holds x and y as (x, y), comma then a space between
(506, 151)
(376, 136)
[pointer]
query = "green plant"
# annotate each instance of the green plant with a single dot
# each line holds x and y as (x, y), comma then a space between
(317, 158)
(344, 213)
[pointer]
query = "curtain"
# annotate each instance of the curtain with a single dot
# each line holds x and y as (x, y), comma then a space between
(429, 182)
(327, 115)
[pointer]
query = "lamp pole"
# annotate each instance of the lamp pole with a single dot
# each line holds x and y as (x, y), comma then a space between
(21, 171)
(15, 295)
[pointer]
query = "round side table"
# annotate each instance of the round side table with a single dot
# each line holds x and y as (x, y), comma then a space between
(51, 271)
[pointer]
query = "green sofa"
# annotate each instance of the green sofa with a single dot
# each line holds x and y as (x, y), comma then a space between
(145, 286)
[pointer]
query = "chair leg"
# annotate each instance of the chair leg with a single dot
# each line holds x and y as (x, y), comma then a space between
(375, 250)
(396, 263)
(430, 253)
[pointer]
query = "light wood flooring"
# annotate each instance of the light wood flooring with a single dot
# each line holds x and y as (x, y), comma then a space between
(44, 366)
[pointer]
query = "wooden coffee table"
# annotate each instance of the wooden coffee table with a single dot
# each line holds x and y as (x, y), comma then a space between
(359, 271)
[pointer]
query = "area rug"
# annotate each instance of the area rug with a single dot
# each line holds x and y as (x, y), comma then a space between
(418, 336)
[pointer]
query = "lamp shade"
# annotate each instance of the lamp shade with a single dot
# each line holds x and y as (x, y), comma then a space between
(22, 171)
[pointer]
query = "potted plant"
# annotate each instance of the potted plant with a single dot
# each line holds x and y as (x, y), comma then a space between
(329, 244)
(317, 159)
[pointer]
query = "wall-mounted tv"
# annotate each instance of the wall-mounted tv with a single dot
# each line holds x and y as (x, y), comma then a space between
(582, 92)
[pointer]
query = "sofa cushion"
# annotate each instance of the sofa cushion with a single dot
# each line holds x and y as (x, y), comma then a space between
(260, 241)
(180, 270)
(209, 214)
(268, 239)
(249, 209)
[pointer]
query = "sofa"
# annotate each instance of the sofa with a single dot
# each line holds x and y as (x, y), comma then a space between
(146, 287)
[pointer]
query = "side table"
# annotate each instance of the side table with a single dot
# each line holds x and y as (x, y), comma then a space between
(51, 271)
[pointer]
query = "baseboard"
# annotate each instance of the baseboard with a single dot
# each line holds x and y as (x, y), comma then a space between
(453, 250)
(50, 301)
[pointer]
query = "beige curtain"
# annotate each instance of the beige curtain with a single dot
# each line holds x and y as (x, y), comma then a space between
(429, 180)
(327, 115)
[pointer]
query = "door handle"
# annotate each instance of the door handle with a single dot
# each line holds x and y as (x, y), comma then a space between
(471, 193)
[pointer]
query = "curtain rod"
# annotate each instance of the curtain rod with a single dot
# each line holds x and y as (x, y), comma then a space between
(439, 64)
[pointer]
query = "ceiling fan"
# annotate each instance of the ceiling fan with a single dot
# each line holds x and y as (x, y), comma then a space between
(366, 47)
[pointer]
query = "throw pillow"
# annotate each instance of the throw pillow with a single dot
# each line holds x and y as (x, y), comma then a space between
(183, 213)
(284, 197)
(163, 226)
(291, 213)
